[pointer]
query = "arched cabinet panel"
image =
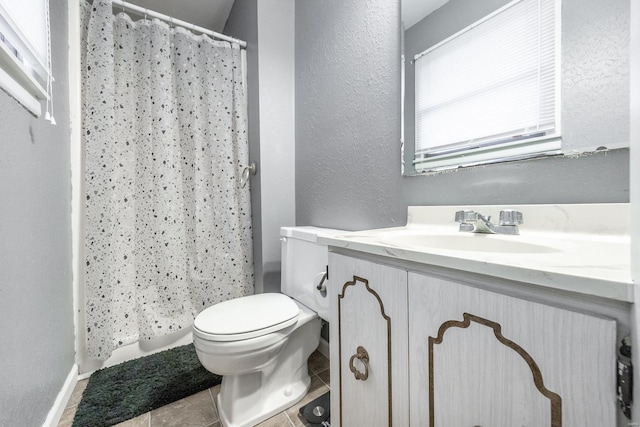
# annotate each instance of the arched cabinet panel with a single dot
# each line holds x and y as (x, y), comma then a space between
(369, 386)
(501, 361)
(365, 353)
(453, 370)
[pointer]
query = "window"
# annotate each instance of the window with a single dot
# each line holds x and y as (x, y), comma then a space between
(491, 91)
(25, 59)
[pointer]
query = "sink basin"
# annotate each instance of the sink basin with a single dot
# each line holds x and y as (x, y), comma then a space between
(471, 242)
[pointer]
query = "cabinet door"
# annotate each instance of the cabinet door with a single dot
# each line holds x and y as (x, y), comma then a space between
(480, 358)
(369, 379)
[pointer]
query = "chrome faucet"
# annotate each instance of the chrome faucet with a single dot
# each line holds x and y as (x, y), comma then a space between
(474, 222)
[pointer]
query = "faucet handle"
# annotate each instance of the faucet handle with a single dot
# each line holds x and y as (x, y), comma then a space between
(510, 217)
(466, 216)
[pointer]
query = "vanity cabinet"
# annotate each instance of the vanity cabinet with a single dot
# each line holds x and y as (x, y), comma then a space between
(444, 352)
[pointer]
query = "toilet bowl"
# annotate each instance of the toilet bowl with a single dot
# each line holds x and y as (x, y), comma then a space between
(260, 343)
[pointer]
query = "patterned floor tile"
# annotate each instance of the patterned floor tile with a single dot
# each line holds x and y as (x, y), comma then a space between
(194, 411)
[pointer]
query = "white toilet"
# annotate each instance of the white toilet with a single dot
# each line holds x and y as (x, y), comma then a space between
(261, 343)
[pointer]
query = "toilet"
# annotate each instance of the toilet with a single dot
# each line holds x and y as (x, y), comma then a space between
(260, 343)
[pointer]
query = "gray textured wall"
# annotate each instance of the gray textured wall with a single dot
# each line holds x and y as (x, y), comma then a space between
(36, 303)
(347, 122)
(348, 127)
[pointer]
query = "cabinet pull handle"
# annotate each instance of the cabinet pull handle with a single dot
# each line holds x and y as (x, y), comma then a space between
(363, 356)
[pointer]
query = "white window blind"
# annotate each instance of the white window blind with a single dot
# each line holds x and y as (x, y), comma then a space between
(25, 51)
(491, 90)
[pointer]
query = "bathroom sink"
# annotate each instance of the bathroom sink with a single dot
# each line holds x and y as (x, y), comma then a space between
(471, 242)
(577, 248)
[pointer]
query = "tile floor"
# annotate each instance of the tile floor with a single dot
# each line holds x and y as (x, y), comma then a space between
(199, 410)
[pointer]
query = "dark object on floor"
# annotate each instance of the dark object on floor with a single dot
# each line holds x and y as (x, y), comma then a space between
(317, 412)
(124, 391)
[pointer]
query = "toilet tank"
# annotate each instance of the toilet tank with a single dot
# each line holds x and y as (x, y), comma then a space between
(304, 262)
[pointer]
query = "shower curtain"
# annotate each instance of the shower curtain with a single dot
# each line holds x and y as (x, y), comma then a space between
(167, 223)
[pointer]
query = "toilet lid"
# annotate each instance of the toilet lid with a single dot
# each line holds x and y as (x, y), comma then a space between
(246, 317)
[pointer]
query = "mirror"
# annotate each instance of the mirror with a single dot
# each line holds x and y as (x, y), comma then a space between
(594, 66)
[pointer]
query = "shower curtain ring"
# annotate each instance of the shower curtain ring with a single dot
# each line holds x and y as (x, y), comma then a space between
(251, 169)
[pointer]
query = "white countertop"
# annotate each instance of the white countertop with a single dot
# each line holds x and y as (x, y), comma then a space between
(583, 248)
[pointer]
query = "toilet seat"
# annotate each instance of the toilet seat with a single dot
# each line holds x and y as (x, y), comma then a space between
(247, 317)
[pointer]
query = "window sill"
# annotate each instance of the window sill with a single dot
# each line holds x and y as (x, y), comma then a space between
(17, 82)
(541, 147)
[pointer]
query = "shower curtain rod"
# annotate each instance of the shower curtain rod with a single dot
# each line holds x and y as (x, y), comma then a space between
(179, 22)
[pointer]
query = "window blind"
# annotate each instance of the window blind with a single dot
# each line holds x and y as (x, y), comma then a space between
(24, 51)
(24, 25)
(493, 84)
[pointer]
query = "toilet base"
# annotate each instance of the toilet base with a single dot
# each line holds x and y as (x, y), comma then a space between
(276, 403)
(248, 399)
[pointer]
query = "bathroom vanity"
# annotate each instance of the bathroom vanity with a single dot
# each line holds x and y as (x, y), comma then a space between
(431, 326)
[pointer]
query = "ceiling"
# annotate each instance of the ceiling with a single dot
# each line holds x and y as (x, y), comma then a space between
(414, 10)
(211, 14)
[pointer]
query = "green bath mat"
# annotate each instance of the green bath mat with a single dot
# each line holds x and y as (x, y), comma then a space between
(124, 391)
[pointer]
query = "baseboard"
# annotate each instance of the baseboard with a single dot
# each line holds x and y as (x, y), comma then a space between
(323, 347)
(85, 375)
(54, 415)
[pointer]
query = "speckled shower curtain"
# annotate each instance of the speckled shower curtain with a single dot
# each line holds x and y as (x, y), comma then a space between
(167, 223)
